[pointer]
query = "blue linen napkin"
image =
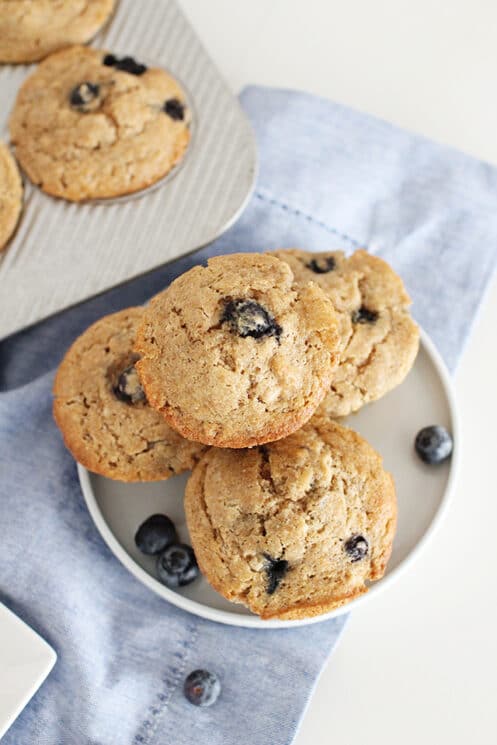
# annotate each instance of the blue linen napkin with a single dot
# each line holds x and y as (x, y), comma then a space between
(330, 178)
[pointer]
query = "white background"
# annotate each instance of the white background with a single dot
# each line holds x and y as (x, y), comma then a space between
(417, 665)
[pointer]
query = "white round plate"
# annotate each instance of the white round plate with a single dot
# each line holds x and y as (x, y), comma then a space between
(390, 425)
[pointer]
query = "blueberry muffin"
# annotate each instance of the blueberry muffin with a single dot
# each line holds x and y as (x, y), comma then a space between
(87, 124)
(237, 353)
(31, 29)
(10, 195)
(379, 339)
(102, 411)
(295, 528)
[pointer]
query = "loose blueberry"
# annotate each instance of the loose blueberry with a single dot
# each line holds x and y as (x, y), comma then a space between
(177, 566)
(275, 570)
(322, 265)
(433, 444)
(175, 109)
(202, 688)
(128, 387)
(84, 94)
(155, 535)
(126, 64)
(364, 315)
(356, 547)
(248, 318)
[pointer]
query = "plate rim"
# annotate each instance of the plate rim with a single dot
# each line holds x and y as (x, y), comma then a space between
(252, 621)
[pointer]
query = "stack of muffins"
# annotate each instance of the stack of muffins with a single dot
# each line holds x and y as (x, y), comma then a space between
(238, 371)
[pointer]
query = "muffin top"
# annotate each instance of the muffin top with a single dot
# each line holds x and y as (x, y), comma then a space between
(31, 29)
(10, 195)
(102, 410)
(294, 528)
(87, 124)
(379, 339)
(237, 353)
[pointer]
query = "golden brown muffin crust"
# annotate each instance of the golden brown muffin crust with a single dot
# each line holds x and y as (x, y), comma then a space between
(31, 29)
(379, 339)
(118, 439)
(236, 353)
(87, 130)
(10, 195)
(319, 501)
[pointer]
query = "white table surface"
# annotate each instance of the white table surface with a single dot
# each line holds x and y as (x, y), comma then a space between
(417, 664)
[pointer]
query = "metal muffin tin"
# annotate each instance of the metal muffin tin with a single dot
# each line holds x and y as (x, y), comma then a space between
(63, 253)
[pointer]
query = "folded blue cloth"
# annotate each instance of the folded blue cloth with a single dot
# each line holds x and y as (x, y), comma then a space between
(329, 178)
